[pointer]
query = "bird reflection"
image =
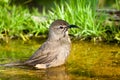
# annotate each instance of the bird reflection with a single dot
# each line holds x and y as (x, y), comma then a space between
(58, 73)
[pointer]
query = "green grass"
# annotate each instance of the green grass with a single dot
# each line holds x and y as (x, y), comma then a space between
(19, 21)
(117, 4)
(81, 13)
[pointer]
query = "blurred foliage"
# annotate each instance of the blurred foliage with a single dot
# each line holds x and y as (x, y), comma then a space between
(26, 18)
(18, 21)
(113, 4)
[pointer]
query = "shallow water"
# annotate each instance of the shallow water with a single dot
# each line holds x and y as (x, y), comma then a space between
(87, 61)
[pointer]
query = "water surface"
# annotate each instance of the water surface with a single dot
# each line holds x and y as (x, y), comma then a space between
(87, 61)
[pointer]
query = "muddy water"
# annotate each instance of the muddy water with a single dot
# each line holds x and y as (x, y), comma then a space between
(87, 61)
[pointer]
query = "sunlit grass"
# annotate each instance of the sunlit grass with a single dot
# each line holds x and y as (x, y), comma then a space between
(19, 21)
(117, 5)
(81, 13)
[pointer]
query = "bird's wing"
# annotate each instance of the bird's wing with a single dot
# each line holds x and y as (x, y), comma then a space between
(45, 54)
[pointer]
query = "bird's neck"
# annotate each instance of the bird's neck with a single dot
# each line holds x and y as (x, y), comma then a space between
(53, 37)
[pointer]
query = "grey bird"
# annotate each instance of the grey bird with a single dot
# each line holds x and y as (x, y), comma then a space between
(55, 50)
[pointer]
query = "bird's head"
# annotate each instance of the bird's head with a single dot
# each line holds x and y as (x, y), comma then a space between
(59, 29)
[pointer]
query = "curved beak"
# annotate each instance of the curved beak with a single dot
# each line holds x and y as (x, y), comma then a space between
(73, 26)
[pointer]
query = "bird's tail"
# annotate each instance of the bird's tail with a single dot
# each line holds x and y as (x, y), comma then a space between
(12, 64)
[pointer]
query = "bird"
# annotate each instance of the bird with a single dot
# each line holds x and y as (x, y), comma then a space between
(55, 50)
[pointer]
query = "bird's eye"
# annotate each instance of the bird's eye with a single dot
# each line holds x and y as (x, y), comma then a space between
(61, 27)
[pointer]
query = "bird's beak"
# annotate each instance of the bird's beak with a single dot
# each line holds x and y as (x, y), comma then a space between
(73, 26)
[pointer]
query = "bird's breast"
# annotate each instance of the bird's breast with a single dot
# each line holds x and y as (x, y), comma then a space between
(64, 49)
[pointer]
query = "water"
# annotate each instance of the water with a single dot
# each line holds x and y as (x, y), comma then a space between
(87, 61)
